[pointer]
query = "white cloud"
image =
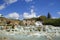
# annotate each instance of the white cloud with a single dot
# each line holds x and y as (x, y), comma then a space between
(25, 15)
(58, 12)
(14, 15)
(6, 3)
(1, 15)
(38, 15)
(10, 1)
(28, 15)
(55, 17)
(28, 0)
(2, 6)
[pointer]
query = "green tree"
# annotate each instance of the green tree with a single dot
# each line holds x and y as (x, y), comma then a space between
(42, 18)
(49, 15)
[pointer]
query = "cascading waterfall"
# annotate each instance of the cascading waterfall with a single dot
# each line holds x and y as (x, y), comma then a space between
(30, 31)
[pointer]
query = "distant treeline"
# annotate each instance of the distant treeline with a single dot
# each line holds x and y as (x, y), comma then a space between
(54, 22)
(49, 21)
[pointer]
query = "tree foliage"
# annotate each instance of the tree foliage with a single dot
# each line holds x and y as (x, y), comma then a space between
(54, 22)
(49, 15)
(49, 21)
(42, 18)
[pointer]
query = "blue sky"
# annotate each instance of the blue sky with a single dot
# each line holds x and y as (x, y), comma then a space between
(29, 8)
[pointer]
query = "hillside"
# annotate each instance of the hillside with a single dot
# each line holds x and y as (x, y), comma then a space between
(6, 21)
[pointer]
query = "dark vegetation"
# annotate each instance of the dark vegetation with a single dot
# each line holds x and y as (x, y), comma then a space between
(49, 21)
